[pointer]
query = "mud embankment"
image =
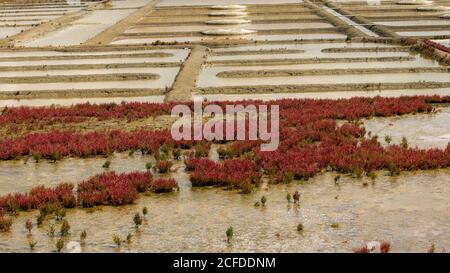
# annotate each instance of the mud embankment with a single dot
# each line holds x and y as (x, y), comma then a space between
(257, 52)
(186, 79)
(85, 66)
(296, 73)
(81, 78)
(82, 93)
(366, 49)
(308, 61)
(84, 57)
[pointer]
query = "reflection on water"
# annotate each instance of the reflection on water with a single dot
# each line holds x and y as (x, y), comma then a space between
(195, 220)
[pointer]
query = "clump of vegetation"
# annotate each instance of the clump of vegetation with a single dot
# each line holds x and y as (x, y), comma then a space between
(83, 236)
(384, 247)
(137, 219)
(229, 234)
(145, 211)
(334, 225)
(288, 197)
(336, 179)
(59, 245)
(263, 200)
(404, 143)
(65, 228)
(129, 237)
(5, 223)
(388, 139)
(296, 197)
(163, 166)
(60, 213)
(257, 204)
(300, 227)
(37, 157)
(51, 231)
(31, 243)
(29, 226)
(176, 153)
(149, 166)
(393, 169)
(117, 241)
(372, 175)
(40, 218)
(247, 187)
(432, 248)
(107, 164)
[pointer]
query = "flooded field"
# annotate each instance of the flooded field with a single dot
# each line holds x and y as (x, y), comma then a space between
(87, 89)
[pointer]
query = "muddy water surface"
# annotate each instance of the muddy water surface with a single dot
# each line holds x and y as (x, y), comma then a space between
(423, 131)
(195, 220)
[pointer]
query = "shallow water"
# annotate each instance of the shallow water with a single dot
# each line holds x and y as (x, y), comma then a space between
(81, 30)
(73, 170)
(415, 23)
(308, 54)
(195, 220)
(162, 71)
(10, 31)
(326, 79)
(255, 37)
(95, 60)
(211, 71)
(165, 3)
(166, 79)
(445, 42)
(423, 131)
(71, 101)
(329, 95)
(127, 4)
(199, 28)
(317, 47)
(298, 37)
(178, 54)
(313, 50)
(424, 33)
